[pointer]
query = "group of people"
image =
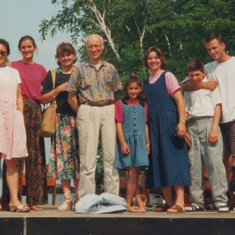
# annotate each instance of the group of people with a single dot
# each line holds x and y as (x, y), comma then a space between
(22, 147)
(145, 130)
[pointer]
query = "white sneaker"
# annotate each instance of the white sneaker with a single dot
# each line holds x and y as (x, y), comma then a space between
(223, 207)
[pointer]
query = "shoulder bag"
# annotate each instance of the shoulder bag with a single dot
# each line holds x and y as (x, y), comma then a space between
(48, 115)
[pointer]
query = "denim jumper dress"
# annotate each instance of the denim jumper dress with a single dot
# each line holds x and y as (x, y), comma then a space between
(134, 133)
(168, 160)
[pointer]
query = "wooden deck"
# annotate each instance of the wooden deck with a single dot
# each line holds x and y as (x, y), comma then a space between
(50, 211)
(52, 222)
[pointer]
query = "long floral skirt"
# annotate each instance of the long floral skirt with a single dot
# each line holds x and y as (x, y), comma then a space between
(36, 184)
(64, 154)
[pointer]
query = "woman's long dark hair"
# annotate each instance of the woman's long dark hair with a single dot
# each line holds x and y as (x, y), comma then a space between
(141, 97)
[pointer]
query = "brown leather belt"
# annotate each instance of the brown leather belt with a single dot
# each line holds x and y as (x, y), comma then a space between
(98, 105)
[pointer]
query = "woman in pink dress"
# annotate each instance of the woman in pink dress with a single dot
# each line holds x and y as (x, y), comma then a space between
(32, 76)
(12, 129)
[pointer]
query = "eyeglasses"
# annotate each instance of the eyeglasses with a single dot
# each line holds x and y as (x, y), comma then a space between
(3, 53)
(90, 47)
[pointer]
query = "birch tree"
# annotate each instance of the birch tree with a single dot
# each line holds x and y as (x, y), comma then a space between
(78, 10)
(130, 27)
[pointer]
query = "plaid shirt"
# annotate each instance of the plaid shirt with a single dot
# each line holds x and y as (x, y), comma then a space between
(92, 85)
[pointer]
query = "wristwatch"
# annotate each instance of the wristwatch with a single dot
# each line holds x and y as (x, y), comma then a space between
(182, 121)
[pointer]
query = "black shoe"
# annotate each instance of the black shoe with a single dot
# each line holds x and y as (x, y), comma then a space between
(210, 207)
(230, 203)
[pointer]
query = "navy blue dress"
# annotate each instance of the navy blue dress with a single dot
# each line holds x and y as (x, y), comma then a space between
(168, 160)
(134, 133)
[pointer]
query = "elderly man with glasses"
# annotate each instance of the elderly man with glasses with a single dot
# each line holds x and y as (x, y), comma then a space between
(92, 93)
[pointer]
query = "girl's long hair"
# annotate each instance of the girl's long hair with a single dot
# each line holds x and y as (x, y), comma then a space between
(141, 97)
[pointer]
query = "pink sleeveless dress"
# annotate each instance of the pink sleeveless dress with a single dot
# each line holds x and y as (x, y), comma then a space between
(12, 129)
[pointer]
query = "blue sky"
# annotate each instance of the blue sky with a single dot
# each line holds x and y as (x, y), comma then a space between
(22, 17)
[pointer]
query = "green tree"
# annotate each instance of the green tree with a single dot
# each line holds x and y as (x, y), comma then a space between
(130, 27)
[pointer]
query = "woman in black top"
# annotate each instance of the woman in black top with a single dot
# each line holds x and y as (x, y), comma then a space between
(63, 161)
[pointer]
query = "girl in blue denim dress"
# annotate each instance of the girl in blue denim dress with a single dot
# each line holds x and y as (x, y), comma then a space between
(132, 146)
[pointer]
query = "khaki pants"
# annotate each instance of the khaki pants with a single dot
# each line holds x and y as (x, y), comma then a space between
(94, 122)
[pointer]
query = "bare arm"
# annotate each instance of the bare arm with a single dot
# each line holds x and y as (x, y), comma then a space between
(124, 146)
(187, 136)
(181, 128)
(147, 138)
(19, 100)
(213, 135)
(72, 100)
(210, 85)
(50, 96)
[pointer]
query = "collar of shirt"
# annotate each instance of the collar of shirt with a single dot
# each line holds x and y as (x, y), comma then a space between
(88, 63)
(58, 70)
(133, 102)
(155, 77)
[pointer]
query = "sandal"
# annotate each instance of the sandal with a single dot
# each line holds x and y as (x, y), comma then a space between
(193, 207)
(35, 208)
(20, 208)
(162, 208)
(67, 203)
(176, 209)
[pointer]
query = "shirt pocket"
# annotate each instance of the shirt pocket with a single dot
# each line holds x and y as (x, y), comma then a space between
(107, 79)
(88, 79)
(85, 83)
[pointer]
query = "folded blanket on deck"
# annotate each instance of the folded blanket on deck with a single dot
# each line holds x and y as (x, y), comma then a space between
(97, 204)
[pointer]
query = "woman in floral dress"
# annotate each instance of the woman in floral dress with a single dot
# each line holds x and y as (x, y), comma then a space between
(63, 161)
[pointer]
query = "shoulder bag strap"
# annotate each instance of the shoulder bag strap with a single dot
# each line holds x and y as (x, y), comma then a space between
(53, 76)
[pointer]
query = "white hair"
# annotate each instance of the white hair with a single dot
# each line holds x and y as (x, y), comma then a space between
(102, 40)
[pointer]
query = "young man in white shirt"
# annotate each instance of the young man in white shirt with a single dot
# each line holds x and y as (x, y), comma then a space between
(203, 111)
(221, 72)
